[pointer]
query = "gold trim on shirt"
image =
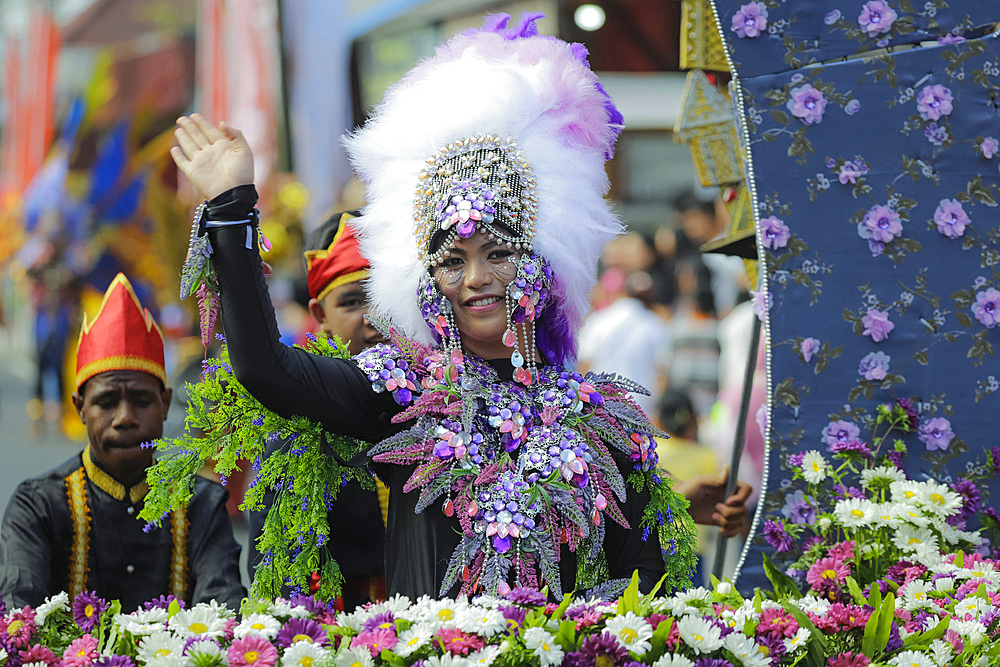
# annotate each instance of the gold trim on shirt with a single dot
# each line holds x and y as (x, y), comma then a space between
(76, 493)
(109, 484)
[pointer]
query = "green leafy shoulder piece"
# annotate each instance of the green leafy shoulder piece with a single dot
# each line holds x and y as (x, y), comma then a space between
(225, 424)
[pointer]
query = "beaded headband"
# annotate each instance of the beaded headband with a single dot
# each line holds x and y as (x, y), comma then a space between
(481, 183)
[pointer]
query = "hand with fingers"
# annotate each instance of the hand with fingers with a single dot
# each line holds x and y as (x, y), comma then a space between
(709, 507)
(215, 159)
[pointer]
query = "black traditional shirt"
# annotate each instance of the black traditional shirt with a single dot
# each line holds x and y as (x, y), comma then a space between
(75, 529)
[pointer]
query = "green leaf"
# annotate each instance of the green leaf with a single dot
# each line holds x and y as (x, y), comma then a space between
(561, 609)
(629, 601)
(855, 590)
(885, 617)
(173, 608)
(780, 116)
(784, 586)
(927, 637)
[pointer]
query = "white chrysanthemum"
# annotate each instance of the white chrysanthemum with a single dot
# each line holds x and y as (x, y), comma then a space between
(197, 622)
(690, 601)
(887, 515)
(911, 659)
(353, 619)
(280, 607)
(219, 608)
(206, 648)
(413, 638)
(813, 604)
(675, 660)
(915, 595)
(142, 622)
(57, 602)
(446, 660)
(349, 657)
(544, 646)
(814, 467)
(971, 604)
(944, 584)
(724, 588)
(912, 539)
(485, 657)
(40, 663)
(304, 654)
(967, 629)
(940, 499)
(905, 491)
(745, 649)
(699, 634)
(881, 476)
(264, 625)
(444, 613)
(855, 512)
(482, 621)
(632, 632)
(161, 649)
(796, 642)
(952, 535)
(395, 605)
(913, 515)
(744, 613)
(981, 570)
(941, 652)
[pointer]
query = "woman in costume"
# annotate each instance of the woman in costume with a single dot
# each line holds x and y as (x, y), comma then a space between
(485, 175)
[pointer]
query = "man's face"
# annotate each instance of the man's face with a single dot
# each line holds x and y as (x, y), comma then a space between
(122, 410)
(342, 313)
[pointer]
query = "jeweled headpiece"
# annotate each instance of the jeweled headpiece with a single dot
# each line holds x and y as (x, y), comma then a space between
(512, 129)
(122, 337)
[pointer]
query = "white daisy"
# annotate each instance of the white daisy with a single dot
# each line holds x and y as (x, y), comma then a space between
(745, 649)
(482, 621)
(41, 663)
(796, 642)
(206, 648)
(443, 612)
(976, 606)
(353, 619)
(632, 632)
(881, 477)
(967, 629)
(675, 660)
(944, 584)
(699, 634)
(855, 512)
(914, 595)
(197, 622)
(264, 625)
(57, 602)
(905, 491)
(912, 539)
(911, 659)
(887, 515)
(690, 601)
(814, 467)
(447, 660)
(303, 654)
(485, 657)
(413, 638)
(813, 604)
(349, 657)
(951, 535)
(396, 604)
(161, 649)
(940, 499)
(981, 570)
(544, 646)
(941, 652)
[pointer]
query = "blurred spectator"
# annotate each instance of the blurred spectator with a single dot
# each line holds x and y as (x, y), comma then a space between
(628, 338)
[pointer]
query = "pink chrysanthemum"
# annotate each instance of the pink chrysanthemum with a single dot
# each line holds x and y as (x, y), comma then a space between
(848, 660)
(39, 653)
(376, 640)
(81, 652)
(252, 651)
(847, 616)
(777, 622)
(18, 628)
(457, 642)
(842, 550)
(827, 573)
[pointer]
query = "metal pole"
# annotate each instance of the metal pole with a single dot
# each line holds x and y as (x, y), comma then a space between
(739, 439)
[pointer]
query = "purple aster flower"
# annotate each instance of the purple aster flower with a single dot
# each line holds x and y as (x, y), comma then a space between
(385, 619)
(934, 101)
(989, 147)
(936, 433)
(951, 218)
(852, 107)
(87, 610)
(599, 649)
(114, 661)
(913, 420)
(514, 616)
(750, 20)
(795, 460)
(526, 596)
(874, 366)
(301, 629)
(851, 447)
(877, 324)
(936, 134)
(895, 639)
(987, 308)
(995, 460)
(895, 458)
(880, 223)
(778, 537)
(809, 347)
(876, 17)
(775, 646)
(971, 498)
(807, 104)
(840, 431)
(798, 510)
(774, 232)
(842, 492)
(712, 662)
(163, 602)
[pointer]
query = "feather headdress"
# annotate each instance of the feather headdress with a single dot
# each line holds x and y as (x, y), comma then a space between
(535, 92)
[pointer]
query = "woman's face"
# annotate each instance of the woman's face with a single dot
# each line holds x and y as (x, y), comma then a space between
(474, 278)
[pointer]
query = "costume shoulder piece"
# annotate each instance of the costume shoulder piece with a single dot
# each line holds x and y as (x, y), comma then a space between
(525, 470)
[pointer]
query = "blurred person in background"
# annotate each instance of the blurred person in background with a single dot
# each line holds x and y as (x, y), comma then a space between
(76, 528)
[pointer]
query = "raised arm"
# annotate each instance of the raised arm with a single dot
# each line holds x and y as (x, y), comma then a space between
(287, 380)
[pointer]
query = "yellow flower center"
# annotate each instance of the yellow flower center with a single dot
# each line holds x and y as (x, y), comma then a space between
(829, 574)
(82, 652)
(817, 466)
(628, 635)
(251, 656)
(978, 574)
(763, 650)
(919, 595)
(857, 514)
(198, 628)
(604, 660)
(545, 646)
(14, 626)
(88, 611)
(909, 494)
(446, 615)
(413, 642)
(356, 663)
(257, 626)
(387, 625)
(306, 662)
(698, 638)
(915, 540)
(162, 653)
(937, 499)
(302, 638)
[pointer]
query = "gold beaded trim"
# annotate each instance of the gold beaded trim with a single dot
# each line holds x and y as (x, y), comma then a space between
(109, 484)
(76, 492)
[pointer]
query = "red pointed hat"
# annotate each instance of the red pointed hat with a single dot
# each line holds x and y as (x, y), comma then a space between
(122, 337)
(336, 262)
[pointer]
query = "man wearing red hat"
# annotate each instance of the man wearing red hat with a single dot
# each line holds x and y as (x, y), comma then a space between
(75, 529)
(336, 270)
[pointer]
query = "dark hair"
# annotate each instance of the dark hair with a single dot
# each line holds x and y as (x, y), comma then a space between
(321, 237)
(676, 411)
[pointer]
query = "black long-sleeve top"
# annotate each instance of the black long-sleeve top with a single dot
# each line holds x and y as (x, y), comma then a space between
(337, 394)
